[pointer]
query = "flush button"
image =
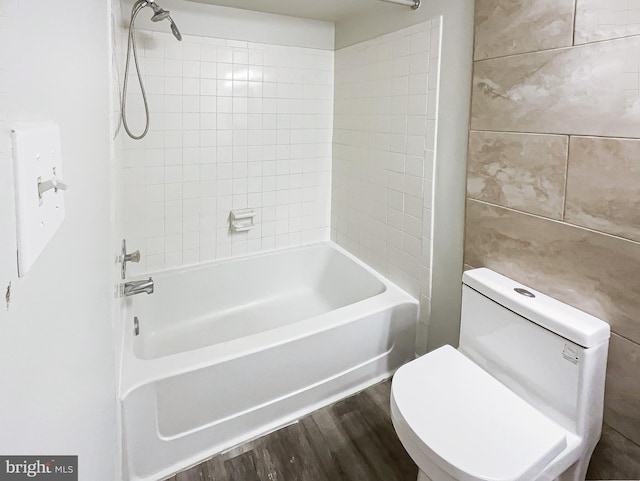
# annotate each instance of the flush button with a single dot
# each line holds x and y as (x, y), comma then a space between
(524, 292)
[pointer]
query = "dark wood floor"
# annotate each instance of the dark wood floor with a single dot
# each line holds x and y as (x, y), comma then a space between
(351, 440)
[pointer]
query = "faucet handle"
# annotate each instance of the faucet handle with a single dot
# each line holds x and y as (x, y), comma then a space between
(124, 258)
(133, 257)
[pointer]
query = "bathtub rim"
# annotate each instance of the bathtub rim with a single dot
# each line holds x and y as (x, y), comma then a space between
(255, 255)
(136, 372)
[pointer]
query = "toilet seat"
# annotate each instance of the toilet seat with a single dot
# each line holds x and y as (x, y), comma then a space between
(449, 412)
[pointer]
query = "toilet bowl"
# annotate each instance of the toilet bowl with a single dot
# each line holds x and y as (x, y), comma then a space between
(520, 399)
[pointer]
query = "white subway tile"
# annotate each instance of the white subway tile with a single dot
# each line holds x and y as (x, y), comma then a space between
(221, 138)
(173, 50)
(173, 259)
(191, 69)
(153, 263)
(380, 162)
(191, 51)
(191, 86)
(172, 226)
(173, 209)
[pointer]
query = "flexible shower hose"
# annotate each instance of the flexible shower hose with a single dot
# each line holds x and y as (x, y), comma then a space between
(131, 45)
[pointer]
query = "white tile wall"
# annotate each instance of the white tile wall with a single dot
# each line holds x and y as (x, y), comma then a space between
(383, 155)
(233, 125)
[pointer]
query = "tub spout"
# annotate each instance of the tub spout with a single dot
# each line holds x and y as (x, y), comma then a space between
(138, 287)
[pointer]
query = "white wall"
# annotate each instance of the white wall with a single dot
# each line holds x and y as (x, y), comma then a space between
(56, 349)
(451, 146)
(234, 124)
(383, 152)
(237, 24)
(119, 314)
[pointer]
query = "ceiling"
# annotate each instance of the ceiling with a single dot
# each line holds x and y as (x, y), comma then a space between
(328, 10)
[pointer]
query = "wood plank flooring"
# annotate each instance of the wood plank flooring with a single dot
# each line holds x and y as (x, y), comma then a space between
(351, 440)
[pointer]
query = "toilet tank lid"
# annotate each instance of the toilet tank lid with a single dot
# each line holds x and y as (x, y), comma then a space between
(558, 317)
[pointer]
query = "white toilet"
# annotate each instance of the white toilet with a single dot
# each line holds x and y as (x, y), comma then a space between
(520, 399)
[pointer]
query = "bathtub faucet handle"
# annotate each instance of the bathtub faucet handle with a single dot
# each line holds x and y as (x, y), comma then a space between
(133, 257)
(124, 258)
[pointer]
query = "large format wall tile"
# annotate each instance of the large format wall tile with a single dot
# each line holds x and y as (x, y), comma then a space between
(615, 457)
(573, 234)
(507, 27)
(603, 185)
(594, 272)
(522, 171)
(587, 90)
(622, 395)
(605, 19)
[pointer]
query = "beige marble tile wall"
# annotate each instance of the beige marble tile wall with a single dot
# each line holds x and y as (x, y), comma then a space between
(553, 190)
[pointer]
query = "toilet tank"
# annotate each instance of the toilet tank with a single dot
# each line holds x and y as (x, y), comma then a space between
(549, 353)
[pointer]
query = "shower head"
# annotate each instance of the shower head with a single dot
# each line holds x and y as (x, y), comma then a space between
(174, 30)
(159, 13)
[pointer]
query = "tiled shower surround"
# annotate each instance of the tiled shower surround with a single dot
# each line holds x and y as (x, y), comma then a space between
(233, 125)
(383, 154)
(554, 176)
(237, 124)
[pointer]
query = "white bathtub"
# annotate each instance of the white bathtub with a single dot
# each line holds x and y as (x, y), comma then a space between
(234, 349)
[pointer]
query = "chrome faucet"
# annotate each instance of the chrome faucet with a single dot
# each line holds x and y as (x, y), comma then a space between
(138, 287)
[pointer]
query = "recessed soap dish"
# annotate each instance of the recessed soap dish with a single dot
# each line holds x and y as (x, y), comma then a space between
(242, 220)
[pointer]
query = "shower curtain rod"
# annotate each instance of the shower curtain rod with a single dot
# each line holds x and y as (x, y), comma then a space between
(414, 4)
